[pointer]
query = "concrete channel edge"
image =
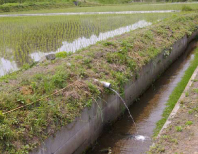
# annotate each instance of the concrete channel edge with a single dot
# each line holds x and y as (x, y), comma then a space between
(177, 105)
(78, 135)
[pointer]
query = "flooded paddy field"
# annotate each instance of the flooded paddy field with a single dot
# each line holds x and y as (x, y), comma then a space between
(119, 138)
(24, 40)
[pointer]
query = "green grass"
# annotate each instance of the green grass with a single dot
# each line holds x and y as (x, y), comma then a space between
(178, 128)
(110, 1)
(195, 90)
(173, 98)
(17, 7)
(56, 93)
(188, 123)
(107, 8)
(186, 8)
(63, 54)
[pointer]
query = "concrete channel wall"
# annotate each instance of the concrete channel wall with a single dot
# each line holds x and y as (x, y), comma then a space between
(77, 136)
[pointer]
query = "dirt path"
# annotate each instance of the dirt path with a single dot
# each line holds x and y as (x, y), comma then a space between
(88, 13)
(181, 135)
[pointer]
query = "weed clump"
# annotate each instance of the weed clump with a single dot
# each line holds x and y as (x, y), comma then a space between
(63, 54)
(1, 117)
(178, 128)
(186, 8)
(188, 123)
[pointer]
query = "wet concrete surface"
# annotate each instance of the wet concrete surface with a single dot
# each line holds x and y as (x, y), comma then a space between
(146, 111)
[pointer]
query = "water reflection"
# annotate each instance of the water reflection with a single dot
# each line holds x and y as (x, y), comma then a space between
(84, 42)
(27, 39)
(7, 66)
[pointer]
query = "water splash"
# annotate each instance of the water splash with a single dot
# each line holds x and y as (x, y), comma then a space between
(140, 137)
(126, 108)
(137, 137)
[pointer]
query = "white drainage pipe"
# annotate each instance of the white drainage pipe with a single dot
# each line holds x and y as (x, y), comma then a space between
(105, 84)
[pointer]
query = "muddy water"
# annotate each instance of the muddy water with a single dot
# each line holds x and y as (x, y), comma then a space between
(119, 138)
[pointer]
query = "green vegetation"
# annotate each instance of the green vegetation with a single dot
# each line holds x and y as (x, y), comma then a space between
(77, 2)
(178, 128)
(40, 5)
(63, 54)
(32, 6)
(158, 148)
(195, 90)
(110, 1)
(173, 98)
(23, 37)
(51, 7)
(39, 101)
(188, 123)
(186, 8)
(187, 94)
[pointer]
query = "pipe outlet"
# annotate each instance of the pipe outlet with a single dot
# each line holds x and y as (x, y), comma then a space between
(105, 84)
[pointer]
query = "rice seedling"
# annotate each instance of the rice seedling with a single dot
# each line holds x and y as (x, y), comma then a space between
(26, 39)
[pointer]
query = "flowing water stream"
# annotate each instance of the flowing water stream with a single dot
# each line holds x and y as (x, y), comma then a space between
(137, 137)
(126, 108)
(121, 137)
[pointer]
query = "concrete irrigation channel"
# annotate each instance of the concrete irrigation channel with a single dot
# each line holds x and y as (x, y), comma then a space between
(63, 106)
(147, 110)
(78, 135)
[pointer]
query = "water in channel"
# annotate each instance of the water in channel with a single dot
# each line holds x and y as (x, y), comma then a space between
(137, 136)
(120, 137)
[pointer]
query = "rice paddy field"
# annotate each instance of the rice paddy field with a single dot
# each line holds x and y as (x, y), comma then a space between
(24, 40)
(31, 110)
(116, 7)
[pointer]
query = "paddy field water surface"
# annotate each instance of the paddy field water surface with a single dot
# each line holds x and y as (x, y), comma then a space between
(24, 40)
